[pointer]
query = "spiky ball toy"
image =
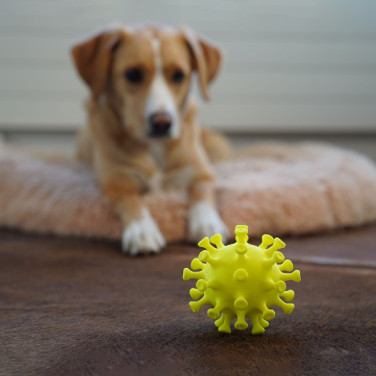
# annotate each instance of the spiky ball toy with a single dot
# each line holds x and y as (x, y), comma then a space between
(241, 281)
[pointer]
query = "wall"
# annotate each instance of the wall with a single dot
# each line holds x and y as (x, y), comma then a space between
(291, 65)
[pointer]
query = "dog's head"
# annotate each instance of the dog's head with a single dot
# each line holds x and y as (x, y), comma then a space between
(147, 72)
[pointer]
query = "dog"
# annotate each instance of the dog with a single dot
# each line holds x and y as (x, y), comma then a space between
(143, 133)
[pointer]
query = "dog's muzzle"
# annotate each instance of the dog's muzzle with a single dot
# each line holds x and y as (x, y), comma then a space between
(160, 124)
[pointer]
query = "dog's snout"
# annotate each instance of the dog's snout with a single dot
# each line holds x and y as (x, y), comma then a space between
(160, 124)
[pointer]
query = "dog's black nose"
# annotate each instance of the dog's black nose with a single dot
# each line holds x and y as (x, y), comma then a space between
(160, 124)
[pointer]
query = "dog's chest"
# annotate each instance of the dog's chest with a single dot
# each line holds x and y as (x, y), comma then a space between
(158, 151)
(171, 179)
(158, 154)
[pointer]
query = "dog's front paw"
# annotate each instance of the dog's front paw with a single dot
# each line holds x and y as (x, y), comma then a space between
(204, 220)
(142, 236)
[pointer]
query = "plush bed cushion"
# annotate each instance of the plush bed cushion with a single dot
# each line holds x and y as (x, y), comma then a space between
(273, 188)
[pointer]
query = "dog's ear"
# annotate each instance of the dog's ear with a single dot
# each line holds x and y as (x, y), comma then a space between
(206, 58)
(93, 57)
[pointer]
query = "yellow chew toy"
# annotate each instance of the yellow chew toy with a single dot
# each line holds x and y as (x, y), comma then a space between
(241, 281)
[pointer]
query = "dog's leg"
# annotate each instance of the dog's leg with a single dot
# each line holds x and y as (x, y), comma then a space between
(123, 184)
(141, 233)
(203, 218)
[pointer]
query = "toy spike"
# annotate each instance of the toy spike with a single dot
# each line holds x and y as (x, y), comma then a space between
(240, 303)
(215, 312)
(196, 306)
(240, 249)
(220, 321)
(205, 256)
(241, 237)
(196, 264)
(286, 266)
(294, 276)
(241, 281)
(257, 328)
(266, 241)
(205, 243)
(262, 322)
(267, 313)
(227, 318)
(278, 244)
(195, 294)
(202, 285)
(241, 234)
(240, 323)
(276, 258)
(217, 240)
(188, 274)
(288, 295)
(269, 284)
(240, 275)
(287, 307)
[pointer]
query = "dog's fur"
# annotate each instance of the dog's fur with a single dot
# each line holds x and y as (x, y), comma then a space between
(140, 81)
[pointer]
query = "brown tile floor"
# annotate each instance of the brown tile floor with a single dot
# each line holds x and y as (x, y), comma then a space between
(79, 307)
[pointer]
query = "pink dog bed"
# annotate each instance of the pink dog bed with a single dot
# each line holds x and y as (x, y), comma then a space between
(276, 188)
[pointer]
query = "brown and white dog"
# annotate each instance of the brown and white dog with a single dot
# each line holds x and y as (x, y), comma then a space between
(142, 130)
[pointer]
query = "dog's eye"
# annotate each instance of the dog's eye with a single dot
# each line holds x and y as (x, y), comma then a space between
(178, 77)
(134, 75)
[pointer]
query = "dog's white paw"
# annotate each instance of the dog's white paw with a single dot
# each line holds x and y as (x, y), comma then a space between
(142, 236)
(204, 220)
